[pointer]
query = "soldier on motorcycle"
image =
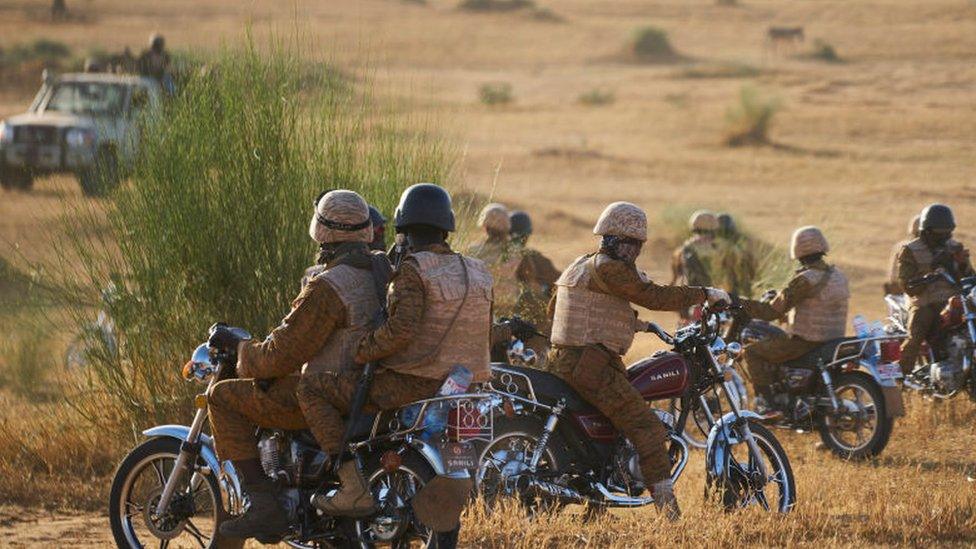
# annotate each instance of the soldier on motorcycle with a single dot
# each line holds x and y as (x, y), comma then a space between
(933, 250)
(892, 285)
(594, 326)
(337, 301)
(816, 300)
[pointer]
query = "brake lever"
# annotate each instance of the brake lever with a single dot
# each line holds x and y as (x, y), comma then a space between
(653, 328)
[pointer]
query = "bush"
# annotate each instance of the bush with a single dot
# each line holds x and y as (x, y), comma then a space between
(215, 223)
(596, 97)
(496, 93)
(49, 52)
(823, 51)
(748, 121)
(495, 5)
(651, 43)
(721, 70)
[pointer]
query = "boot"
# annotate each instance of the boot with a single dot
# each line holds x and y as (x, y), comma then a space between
(265, 519)
(353, 498)
(763, 404)
(664, 500)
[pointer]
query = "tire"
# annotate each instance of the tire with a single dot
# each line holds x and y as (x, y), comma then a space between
(16, 179)
(734, 489)
(103, 176)
(414, 466)
(830, 428)
(127, 475)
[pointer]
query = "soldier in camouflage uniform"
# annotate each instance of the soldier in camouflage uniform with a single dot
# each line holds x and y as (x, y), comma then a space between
(536, 272)
(692, 262)
(594, 326)
(439, 316)
(816, 300)
(337, 300)
(893, 285)
(737, 263)
(379, 229)
(932, 251)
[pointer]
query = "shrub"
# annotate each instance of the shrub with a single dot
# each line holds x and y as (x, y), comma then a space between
(215, 223)
(823, 51)
(496, 93)
(25, 359)
(651, 43)
(596, 97)
(495, 5)
(748, 121)
(721, 70)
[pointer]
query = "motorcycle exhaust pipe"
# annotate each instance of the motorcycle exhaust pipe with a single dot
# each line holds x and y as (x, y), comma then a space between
(545, 489)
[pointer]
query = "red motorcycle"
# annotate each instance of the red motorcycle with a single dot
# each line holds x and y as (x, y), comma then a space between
(552, 447)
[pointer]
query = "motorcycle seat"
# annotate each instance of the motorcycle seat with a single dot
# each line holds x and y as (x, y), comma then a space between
(549, 388)
(837, 349)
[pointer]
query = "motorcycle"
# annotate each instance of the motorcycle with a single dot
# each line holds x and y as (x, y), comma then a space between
(174, 488)
(551, 446)
(846, 389)
(945, 365)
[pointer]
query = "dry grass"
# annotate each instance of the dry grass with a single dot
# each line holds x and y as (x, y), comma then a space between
(865, 144)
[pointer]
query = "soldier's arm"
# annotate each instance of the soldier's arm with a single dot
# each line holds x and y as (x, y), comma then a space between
(675, 266)
(543, 272)
(622, 280)
(796, 291)
(908, 271)
(406, 310)
(963, 260)
(315, 313)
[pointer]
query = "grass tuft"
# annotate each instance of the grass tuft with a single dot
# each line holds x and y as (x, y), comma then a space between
(597, 97)
(496, 93)
(749, 120)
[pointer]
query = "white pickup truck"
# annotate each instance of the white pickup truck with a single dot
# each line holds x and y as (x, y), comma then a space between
(87, 124)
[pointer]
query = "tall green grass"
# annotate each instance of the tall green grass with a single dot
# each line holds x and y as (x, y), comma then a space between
(214, 224)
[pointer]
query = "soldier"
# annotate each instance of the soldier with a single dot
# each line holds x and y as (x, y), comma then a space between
(932, 251)
(736, 259)
(536, 273)
(692, 261)
(439, 315)
(337, 301)
(594, 326)
(892, 285)
(379, 229)
(816, 300)
(155, 62)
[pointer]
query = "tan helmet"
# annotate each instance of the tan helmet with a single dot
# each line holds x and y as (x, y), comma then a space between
(703, 220)
(913, 227)
(808, 240)
(341, 216)
(622, 219)
(494, 219)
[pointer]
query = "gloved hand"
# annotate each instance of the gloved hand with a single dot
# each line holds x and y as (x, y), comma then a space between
(223, 339)
(716, 295)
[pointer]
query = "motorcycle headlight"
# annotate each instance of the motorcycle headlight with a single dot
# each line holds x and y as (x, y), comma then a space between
(199, 368)
(79, 137)
(6, 133)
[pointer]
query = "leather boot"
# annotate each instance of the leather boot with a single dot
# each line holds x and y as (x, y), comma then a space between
(353, 499)
(265, 519)
(664, 500)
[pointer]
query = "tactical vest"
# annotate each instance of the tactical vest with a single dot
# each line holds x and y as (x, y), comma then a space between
(697, 256)
(584, 317)
(503, 261)
(357, 291)
(822, 316)
(935, 292)
(456, 321)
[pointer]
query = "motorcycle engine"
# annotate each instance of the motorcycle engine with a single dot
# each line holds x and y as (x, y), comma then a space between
(290, 459)
(947, 375)
(626, 475)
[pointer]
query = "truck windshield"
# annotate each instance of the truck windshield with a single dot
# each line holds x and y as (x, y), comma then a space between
(91, 98)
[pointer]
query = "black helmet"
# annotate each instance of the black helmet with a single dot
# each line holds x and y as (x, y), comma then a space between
(424, 204)
(375, 217)
(521, 224)
(726, 225)
(937, 217)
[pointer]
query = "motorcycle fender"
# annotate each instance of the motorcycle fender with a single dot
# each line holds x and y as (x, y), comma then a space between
(871, 370)
(716, 449)
(430, 454)
(227, 479)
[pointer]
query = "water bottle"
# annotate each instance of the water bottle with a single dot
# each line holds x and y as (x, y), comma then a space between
(435, 421)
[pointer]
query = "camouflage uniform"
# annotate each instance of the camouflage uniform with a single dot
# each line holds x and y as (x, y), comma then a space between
(763, 357)
(591, 362)
(522, 277)
(737, 264)
(915, 260)
(694, 261)
(237, 406)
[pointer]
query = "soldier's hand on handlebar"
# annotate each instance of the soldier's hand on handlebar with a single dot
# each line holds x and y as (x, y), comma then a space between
(223, 339)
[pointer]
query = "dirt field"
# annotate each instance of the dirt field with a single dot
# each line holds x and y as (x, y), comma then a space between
(858, 148)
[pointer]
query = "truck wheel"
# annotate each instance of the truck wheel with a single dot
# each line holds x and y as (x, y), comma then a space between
(103, 176)
(16, 179)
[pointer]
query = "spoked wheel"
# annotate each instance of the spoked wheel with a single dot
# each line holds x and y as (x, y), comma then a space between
(394, 524)
(507, 456)
(744, 482)
(861, 427)
(193, 515)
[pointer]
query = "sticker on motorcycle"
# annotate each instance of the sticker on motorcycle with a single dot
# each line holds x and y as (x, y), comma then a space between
(458, 456)
(889, 370)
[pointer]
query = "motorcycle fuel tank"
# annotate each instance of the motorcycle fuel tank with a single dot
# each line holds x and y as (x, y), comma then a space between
(663, 375)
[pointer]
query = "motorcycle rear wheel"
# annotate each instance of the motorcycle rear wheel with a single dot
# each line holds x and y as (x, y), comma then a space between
(853, 389)
(137, 484)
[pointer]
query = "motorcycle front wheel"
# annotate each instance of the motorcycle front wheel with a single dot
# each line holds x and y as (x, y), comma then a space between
(193, 517)
(861, 428)
(744, 483)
